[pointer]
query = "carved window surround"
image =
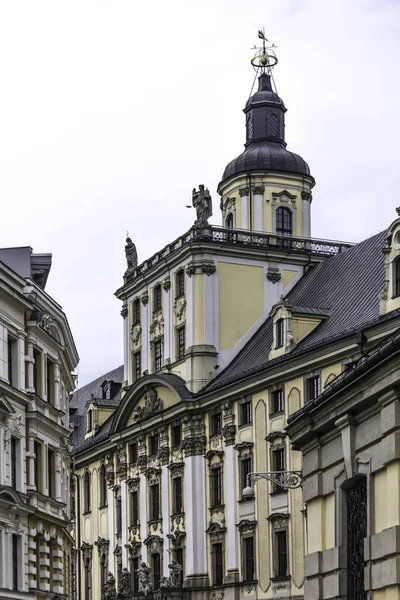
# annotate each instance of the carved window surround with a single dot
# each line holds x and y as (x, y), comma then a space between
(177, 469)
(216, 533)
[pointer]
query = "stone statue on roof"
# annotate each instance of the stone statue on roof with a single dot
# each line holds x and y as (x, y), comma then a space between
(131, 254)
(145, 585)
(109, 592)
(202, 202)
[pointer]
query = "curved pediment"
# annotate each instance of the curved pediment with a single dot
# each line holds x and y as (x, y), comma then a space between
(9, 495)
(148, 397)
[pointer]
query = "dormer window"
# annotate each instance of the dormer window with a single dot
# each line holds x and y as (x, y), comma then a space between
(284, 220)
(136, 312)
(157, 298)
(89, 421)
(396, 282)
(279, 333)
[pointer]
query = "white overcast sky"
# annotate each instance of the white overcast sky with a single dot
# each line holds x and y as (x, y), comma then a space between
(112, 111)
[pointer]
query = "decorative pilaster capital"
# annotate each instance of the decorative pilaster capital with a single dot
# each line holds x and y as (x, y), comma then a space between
(258, 189)
(307, 196)
(273, 275)
(208, 268)
(244, 191)
(124, 312)
(166, 284)
(144, 298)
(190, 269)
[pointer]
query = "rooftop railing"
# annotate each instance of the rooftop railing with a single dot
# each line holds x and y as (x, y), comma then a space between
(245, 238)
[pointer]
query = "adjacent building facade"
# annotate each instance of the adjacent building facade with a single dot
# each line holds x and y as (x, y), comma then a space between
(227, 331)
(37, 357)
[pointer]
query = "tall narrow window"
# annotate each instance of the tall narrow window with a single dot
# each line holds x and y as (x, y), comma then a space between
(156, 569)
(51, 466)
(86, 492)
(216, 424)
(248, 559)
(229, 221)
(89, 420)
(133, 453)
(134, 574)
(103, 486)
(180, 283)
(136, 312)
(312, 388)
(181, 343)
(283, 221)
(36, 371)
(245, 413)
(50, 381)
(278, 457)
(245, 469)
(103, 571)
(277, 402)
(281, 559)
(158, 355)
(11, 349)
(154, 443)
(176, 436)
(216, 486)
(155, 502)
(88, 580)
(14, 443)
(134, 512)
(157, 298)
(15, 561)
(118, 515)
(177, 485)
(37, 465)
(218, 564)
(279, 333)
(137, 358)
(356, 532)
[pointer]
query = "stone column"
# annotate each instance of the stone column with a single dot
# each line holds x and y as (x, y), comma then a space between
(146, 362)
(258, 221)
(124, 509)
(30, 360)
(21, 360)
(244, 205)
(143, 512)
(111, 529)
(306, 213)
(231, 494)
(167, 314)
(56, 388)
(125, 330)
(31, 464)
(58, 475)
(165, 511)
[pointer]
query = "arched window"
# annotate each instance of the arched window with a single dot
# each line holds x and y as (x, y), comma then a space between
(103, 486)
(279, 333)
(283, 220)
(86, 492)
(397, 278)
(229, 221)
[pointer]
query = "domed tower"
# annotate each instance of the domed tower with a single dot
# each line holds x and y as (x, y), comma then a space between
(267, 188)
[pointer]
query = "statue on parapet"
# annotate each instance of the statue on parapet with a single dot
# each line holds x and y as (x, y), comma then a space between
(131, 254)
(145, 585)
(175, 571)
(202, 202)
(109, 592)
(125, 585)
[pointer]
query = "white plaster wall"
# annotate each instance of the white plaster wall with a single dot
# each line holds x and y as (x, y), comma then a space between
(124, 509)
(231, 495)
(196, 557)
(165, 511)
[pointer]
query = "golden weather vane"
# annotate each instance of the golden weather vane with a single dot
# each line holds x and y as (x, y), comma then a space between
(265, 59)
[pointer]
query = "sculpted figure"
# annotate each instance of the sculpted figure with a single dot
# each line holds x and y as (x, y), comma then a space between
(109, 592)
(165, 582)
(202, 202)
(131, 254)
(145, 585)
(125, 585)
(175, 570)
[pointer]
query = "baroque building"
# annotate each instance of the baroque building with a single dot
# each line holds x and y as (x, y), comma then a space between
(228, 330)
(37, 357)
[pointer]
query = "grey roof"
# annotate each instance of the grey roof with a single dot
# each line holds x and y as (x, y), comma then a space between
(82, 395)
(345, 287)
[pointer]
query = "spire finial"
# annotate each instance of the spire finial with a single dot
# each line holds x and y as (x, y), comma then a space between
(265, 59)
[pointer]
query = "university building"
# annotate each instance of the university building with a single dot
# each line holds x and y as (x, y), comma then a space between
(228, 330)
(37, 357)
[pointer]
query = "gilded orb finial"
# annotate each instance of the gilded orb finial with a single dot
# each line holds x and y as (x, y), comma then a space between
(265, 59)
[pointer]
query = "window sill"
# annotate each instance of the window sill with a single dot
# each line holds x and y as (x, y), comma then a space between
(242, 425)
(86, 512)
(102, 506)
(215, 507)
(278, 492)
(281, 578)
(278, 413)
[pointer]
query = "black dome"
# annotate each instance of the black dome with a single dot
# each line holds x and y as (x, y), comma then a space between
(266, 157)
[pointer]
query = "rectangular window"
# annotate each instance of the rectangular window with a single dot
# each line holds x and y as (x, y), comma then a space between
(216, 424)
(157, 298)
(158, 355)
(154, 443)
(181, 342)
(216, 486)
(134, 508)
(51, 465)
(38, 457)
(11, 357)
(245, 469)
(218, 564)
(36, 371)
(180, 283)
(154, 502)
(176, 436)
(88, 580)
(278, 458)
(277, 402)
(245, 413)
(135, 574)
(136, 312)
(118, 515)
(177, 486)
(281, 553)
(15, 561)
(137, 361)
(133, 453)
(178, 557)
(279, 333)
(312, 388)
(156, 570)
(248, 559)
(14, 443)
(50, 381)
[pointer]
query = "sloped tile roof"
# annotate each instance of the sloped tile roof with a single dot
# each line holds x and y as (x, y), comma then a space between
(343, 288)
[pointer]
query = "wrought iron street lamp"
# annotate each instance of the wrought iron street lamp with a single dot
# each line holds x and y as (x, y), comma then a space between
(283, 479)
